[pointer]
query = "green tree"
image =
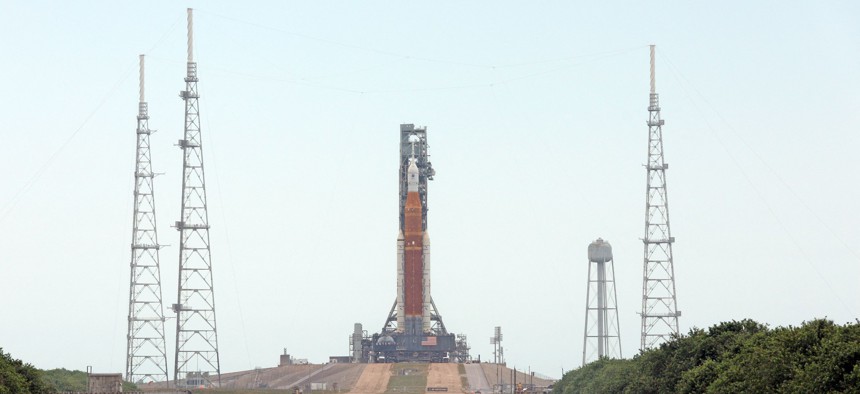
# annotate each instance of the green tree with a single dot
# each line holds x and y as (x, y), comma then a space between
(16, 377)
(62, 379)
(734, 357)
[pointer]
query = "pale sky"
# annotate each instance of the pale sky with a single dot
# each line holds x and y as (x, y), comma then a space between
(536, 120)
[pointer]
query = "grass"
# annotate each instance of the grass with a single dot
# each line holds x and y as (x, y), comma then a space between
(408, 378)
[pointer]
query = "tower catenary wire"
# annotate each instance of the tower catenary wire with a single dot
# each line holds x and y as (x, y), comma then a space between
(197, 362)
(146, 357)
(659, 302)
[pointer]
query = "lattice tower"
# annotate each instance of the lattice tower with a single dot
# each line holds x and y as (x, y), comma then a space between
(197, 361)
(146, 357)
(659, 302)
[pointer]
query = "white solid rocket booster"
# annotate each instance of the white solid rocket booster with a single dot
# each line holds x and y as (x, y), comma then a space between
(401, 260)
(427, 300)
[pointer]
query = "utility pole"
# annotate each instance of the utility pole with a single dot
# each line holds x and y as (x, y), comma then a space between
(197, 362)
(146, 357)
(659, 302)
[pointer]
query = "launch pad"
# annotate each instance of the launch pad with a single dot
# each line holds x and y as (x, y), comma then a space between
(414, 330)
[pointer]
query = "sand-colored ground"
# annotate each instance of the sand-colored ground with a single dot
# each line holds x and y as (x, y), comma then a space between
(277, 377)
(335, 376)
(341, 377)
(374, 379)
(445, 375)
(504, 374)
(477, 379)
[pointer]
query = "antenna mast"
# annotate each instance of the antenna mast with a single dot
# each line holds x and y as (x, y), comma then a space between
(659, 303)
(146, 357)
(197, 362)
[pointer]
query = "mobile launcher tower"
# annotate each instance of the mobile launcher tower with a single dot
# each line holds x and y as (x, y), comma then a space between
(414, 330)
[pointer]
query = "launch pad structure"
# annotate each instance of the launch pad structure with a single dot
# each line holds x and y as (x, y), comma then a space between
(414, 329)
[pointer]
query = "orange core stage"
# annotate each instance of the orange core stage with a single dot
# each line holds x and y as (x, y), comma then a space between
(413, 286)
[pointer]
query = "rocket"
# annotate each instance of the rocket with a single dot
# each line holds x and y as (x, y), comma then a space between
(413, 263)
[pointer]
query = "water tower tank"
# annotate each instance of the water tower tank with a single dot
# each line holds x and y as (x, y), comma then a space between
(599, 251)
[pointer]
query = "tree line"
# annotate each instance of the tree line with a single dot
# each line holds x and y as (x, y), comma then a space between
(733, 357)
(17, 377)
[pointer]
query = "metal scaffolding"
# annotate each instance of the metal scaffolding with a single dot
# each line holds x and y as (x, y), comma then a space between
(146, 357)
(197, 362)
(659, 302)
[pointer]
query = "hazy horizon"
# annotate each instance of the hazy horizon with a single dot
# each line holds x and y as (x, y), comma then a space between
(536, 126)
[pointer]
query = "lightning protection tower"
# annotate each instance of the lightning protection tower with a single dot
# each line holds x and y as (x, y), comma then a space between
(146, 357)
(602, 336)
(659, 303)
(197, 362)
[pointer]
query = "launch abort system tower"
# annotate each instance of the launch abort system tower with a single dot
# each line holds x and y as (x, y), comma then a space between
(414, 330)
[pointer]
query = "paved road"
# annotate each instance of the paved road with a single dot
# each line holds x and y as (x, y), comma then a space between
(477, 379)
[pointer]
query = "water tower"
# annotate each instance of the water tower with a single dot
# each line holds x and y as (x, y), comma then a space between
(602, 338)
